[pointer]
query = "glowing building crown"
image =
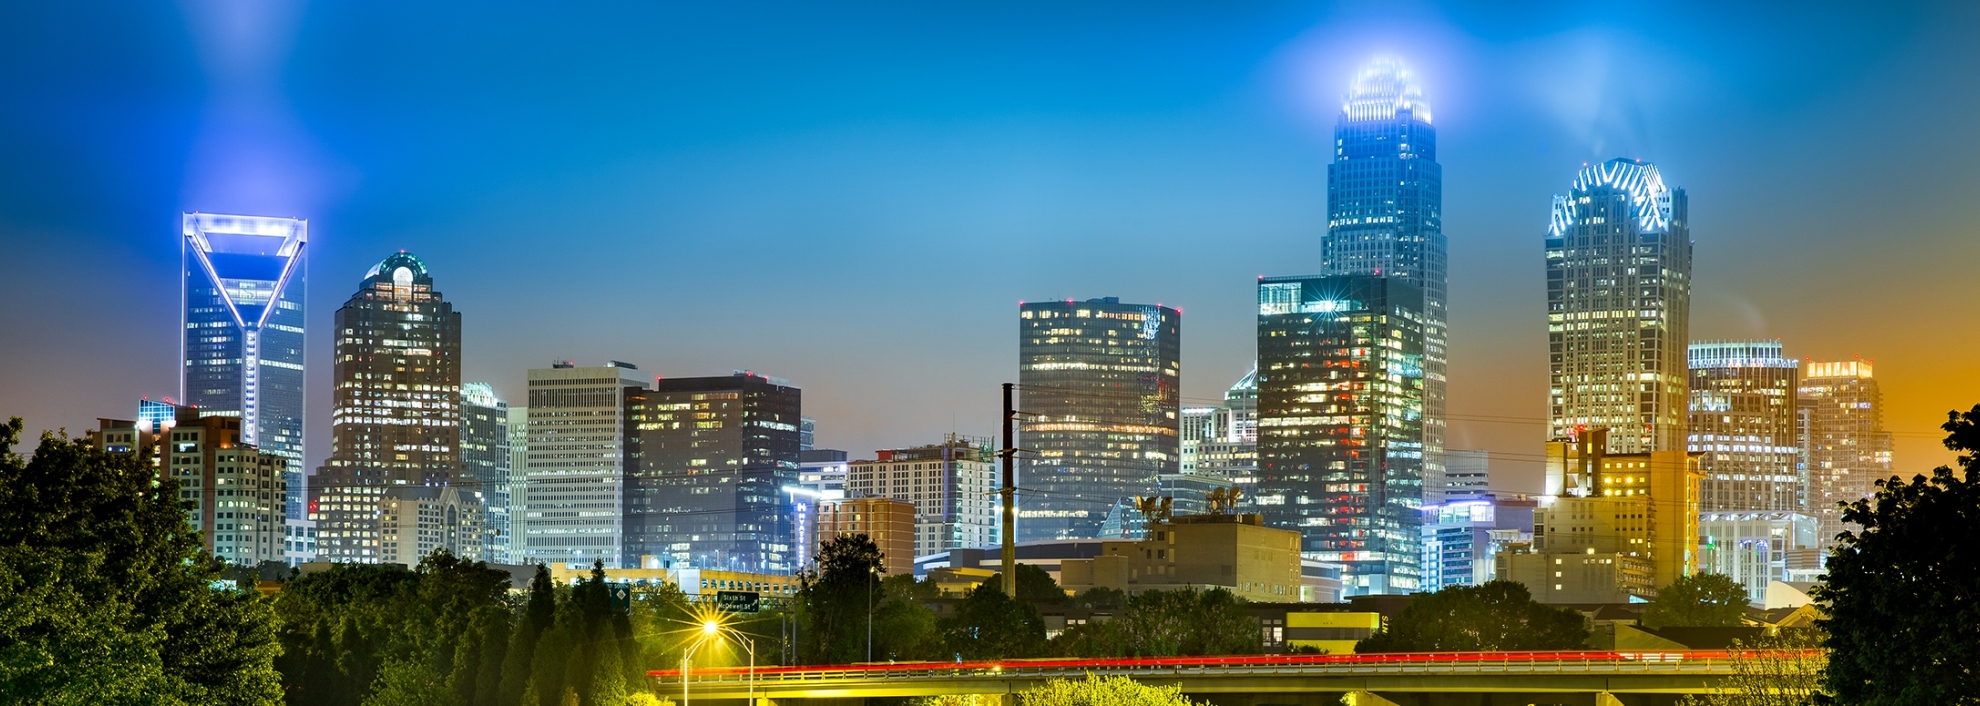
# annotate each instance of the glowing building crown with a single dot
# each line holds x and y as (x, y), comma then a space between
(1649, 198)
(1384, 89)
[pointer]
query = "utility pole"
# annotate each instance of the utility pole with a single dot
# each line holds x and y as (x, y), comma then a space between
(1009, 492)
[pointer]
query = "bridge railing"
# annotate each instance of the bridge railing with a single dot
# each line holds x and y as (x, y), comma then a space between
(1577, 661)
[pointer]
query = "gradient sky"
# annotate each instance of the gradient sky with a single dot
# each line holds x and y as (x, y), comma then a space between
(856, 197)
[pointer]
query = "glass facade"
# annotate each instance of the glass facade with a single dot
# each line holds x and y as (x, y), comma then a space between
(1099, 381)
(242, 337)
(707, 462)
(485, 454)
(1742, 421)
(1385, 203)
(396, 406)
(567, 512)
(1618, 306)
(1340, 423)
(1845, 449)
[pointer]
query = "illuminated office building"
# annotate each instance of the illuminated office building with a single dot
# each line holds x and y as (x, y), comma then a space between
(707, 462)
(952, 486)
(395, 407)
(1618, 302)
(1385, 204)
(233, 493)
(1742, 422)
(1845, 448)
(485, 453)
(1100, 386)
(1610, 527)
(242, 337)
(1340, 423)
(568, 508)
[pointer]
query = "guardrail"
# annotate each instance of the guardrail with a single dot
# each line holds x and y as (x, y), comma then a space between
(1701, 662)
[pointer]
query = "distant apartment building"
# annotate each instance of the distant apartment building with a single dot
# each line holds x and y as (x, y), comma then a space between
(395, 406)
(707, 463)
(1236, 552)
(1340, 431)
(416, 521)
(567, 509)
(234, 491)
(485, 453)
(888, 522)
(1845, 449)
(1100, 383)
(952, 486)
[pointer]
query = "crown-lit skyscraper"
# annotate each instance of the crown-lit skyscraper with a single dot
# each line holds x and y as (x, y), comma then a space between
(1385, 213)
(1618, 306)
(242, 336)
(1845, 449)
(396, 408)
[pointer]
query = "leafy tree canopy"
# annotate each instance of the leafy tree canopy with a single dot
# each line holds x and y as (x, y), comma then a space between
(1698, 601)
(989, 625)
(106, 592)
(1903, 592)
(1102, 691)
(1500, 615)
(833, 601)
(1168, 623)
(1034, 586)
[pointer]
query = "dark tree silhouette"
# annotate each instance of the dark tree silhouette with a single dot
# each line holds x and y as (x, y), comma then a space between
(1903, 593)
(1698, 601)
(1500, 615)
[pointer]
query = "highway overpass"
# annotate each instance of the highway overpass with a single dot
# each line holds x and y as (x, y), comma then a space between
(1578, 678)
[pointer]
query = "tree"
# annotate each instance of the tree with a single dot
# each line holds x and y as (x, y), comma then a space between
(411, 683)
(991, 625)
(903, 627)
(1500, 615)
(1698, 601)
(1102, 691)
(1034, 586)
(1168, 623)
(109, 594)
(1779, 670)
(1100, 598)
(834, 601)
(1903, 592)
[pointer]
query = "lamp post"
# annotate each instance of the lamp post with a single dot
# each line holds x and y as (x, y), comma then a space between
(708, 630)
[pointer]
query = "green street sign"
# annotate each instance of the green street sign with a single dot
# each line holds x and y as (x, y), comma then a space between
(736, 601)
(621, 597)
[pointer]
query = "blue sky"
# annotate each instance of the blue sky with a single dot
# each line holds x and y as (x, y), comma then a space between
(856, 197)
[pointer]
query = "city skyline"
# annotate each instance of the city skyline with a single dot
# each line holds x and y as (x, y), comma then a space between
(1762, 219)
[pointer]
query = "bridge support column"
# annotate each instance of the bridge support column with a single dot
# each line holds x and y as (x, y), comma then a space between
(1368, 698)
(1603, 698)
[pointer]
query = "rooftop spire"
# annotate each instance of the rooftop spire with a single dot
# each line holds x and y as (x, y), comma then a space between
(1383, 89)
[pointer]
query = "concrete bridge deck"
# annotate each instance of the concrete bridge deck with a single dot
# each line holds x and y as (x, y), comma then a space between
(1568, 677)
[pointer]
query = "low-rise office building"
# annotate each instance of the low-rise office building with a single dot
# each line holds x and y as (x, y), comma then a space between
(1234, 552)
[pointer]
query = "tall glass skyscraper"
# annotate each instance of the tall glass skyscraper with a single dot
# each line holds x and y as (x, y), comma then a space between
(1742, 421)
(1385, 213)
(567, 497)
(485, 457)
(1618, 308)
(1100, 381)
(706, 463)
(396, 415)
(242, 337)
(1845, 449)
(1340, 424)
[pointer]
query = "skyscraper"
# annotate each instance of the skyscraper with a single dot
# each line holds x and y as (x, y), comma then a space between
(1385, 214)
(485, 454)
(1742, 419)
(242, 337)
(1844, 445)
(567, 511)
(707, 462)
(396, 406)
(1100, 382)
(1618, 305)
(1340, 423)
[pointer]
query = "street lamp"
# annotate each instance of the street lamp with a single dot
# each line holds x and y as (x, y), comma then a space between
(708, 630)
